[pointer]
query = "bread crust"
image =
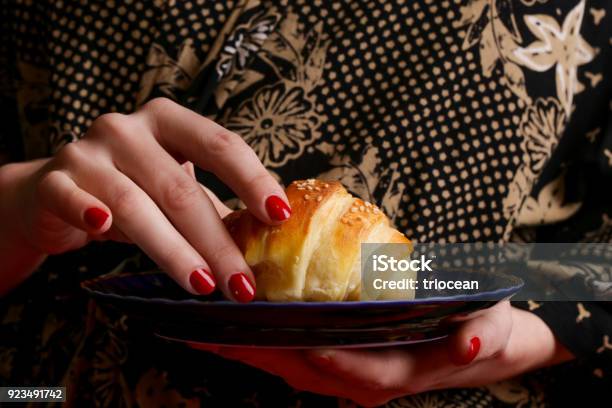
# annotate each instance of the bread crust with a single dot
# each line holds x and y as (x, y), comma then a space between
(314, 255)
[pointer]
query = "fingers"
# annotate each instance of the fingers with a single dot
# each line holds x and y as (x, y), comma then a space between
(191, 212)
(297, 371)
(210, 146)
(533, 346)
(397, 371)
(274, 361)
(221, 208)
(61, 195)
(288, 364)
(189, 169)
(115, 234)
(422, 367)
(143, 223)
(181, 225)
(482, 337)
(383, 371)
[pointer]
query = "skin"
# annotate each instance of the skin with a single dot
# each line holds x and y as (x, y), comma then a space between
(513, 341)
(136, 169)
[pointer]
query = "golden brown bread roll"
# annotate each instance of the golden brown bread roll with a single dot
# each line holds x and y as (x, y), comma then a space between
(315, 254)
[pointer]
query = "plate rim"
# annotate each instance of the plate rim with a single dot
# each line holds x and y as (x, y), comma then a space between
(334, 346)
(504, 293)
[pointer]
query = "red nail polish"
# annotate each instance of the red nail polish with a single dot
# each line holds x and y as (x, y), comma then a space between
(95, 217)
(241, 288)
(463, 358)
(202, 281)
(277, 209)
(473, 350)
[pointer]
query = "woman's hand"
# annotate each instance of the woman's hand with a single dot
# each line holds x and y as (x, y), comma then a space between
(124, 180)
(499, 343)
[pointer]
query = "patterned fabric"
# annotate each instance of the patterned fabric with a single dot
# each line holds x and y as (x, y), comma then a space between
(480, 120)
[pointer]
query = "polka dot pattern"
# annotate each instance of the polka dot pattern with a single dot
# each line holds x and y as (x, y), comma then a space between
(97, 51)
(397, 85)
(406, 87)
(403, 113)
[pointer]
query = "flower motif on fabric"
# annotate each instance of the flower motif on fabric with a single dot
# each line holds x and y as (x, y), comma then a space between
(110, 352)
(167, 73)
(491, 24)
(541, 126)
(561, 47)
(280, 119)
(154, 388)
(549, 206)
(367, 177)
(246, 40)
(511, 392)
(277, 122)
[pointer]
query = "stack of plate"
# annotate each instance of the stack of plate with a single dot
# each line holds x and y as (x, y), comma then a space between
(173, 314)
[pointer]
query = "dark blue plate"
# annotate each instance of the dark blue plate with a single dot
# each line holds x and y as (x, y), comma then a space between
(170, 312)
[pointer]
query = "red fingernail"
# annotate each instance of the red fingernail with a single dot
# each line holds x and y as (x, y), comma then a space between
(462, 358)
(473, 350)
(241, 288)
(277, 209)
(95, 217)
(202, 281)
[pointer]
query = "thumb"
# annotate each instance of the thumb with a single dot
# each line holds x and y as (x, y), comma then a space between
(482, 337)
(221, 208)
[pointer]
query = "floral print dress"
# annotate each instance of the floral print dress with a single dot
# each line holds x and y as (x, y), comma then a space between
(465, 120)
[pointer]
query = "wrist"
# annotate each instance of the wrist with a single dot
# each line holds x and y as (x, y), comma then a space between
(13, 200)
(19, 256)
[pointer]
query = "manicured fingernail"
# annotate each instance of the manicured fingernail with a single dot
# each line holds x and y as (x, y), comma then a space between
(472, 351)
(241, 288)
(95, 217)
(202, 281)
(277, 208)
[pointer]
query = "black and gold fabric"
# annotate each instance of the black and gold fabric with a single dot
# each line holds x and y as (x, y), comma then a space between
(465, 120)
